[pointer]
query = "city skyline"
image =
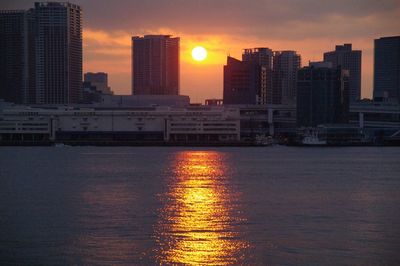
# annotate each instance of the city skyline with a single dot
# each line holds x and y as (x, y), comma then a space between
(309, 28)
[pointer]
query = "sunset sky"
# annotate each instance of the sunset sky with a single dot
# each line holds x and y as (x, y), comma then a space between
(224, 27)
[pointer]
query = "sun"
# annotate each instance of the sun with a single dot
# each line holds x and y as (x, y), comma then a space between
(199, 53)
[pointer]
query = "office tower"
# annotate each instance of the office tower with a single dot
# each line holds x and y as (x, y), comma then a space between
(242, 81)
(348, 59)
(41, 51)
(58, 52)
(262, 57)
(14, 72)
(387, 69)
(98, 80)
(155, 65)
(284, 77)
(322, 95)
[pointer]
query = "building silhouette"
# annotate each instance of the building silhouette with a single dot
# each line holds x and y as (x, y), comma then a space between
(58, 52)
(387, 69)
(348, 59)
(17, 53)
(43, 51)
(242, 82)
(322, 95)
(263, 58)
(155, 65)
(99, 80)
(284, 77)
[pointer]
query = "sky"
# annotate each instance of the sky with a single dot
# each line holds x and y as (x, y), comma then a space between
(226, 27)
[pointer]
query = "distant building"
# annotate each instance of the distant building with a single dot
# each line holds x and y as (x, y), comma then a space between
(278, 72)
(17, 53)
(127, 124)
(13, 56)
(242, 82)
(284, 77)
(322, 95)
(144, 100)
(263, 58)
(387, 69)
(155, 65)
(90, 94)
(348, 59)
(42, 48)
(58, 52)
(99, 80)
(214, 102)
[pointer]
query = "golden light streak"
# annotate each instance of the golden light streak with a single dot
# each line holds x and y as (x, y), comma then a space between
(197, 221)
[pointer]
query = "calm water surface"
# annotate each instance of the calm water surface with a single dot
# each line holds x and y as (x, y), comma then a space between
(220, 206)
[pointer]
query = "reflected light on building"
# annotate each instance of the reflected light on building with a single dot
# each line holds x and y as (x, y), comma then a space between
(197, 220)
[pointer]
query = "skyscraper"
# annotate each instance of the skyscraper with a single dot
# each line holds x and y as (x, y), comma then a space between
(348, 59)
(14, 64)
(284, 77)
(155, 65)
(242, 81)
(322, 95)
(387, 68)
(42, 48)
(262, 57)
(58, 52)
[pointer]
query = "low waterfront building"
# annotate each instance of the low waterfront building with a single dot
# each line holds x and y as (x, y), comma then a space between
(208, 125)
(380, 121)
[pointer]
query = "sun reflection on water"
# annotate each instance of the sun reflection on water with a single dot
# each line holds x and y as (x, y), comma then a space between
(197, 221)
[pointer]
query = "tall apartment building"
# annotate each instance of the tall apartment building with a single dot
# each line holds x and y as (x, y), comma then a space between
(349, 59)
(242, 82)
(46, 43)
(16, 75)
(262, 57)
(322, 95)
(155, 65)
(284, 77)
(58, 52)
(272, 74)
(387, 69)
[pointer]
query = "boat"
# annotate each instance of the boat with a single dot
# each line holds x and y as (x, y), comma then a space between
(262, 140)
(312, 138)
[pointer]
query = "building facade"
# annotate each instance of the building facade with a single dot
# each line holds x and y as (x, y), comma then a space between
(104, 125)
(98, 80)
(263, 58)
(242, 82)
(58, 53)
(348, 59)
(284, 78)
(43, 52)
(277, 73)
(16, 53)
(155, 65)
(387, 69)
(322, 95)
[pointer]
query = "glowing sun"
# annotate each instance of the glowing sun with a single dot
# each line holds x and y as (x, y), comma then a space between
(199, 53)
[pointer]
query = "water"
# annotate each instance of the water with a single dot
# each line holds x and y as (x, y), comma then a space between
(221, 206)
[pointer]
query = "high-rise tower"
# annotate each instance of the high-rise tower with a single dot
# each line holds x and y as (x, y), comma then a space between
(387, 68)
(41, 52)
(155, 65)
(348, 59)
(58, 52)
